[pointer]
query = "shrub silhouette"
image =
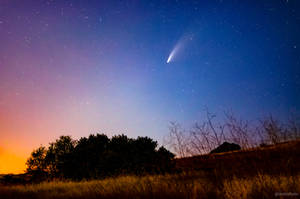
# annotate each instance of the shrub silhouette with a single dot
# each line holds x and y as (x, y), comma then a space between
(97, 156)
(226, 147)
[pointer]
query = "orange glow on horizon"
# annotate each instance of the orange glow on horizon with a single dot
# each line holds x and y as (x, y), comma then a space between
(11, 163)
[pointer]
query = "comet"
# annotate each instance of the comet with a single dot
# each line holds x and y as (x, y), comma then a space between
(179, 45)
(173, 52)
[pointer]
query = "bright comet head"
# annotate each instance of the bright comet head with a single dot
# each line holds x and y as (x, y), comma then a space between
(169, 58)
(172, 54)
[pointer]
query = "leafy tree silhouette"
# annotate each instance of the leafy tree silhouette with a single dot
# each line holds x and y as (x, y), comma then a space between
(59, 157)
(36, 164)
(89, 156)
(98, 156)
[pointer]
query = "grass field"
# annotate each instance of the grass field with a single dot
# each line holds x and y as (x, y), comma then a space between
(185, 185)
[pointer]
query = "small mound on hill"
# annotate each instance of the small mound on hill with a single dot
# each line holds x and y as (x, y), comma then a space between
(226, 147)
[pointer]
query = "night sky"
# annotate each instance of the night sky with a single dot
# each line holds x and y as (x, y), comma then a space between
(81, 67)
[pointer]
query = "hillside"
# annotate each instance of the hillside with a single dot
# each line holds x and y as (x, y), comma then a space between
(274, 159)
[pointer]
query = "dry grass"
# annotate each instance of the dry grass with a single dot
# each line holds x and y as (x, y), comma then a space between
(186, 185)
(262, 186)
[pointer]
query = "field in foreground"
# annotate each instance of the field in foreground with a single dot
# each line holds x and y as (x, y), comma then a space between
(184, 185)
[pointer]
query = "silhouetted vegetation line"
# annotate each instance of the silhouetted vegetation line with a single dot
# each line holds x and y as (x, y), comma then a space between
(98, 156)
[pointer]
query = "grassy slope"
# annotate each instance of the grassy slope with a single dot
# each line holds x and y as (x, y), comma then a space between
(283, 158)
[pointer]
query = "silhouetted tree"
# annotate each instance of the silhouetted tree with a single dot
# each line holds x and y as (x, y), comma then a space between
(88, 156)
(143, 155)
(163, 159)
(59, 157)
(36, 164)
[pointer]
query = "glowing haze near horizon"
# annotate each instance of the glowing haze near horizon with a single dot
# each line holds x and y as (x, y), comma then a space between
(81, 67)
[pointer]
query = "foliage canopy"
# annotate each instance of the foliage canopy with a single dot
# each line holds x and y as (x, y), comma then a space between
(98, 156)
